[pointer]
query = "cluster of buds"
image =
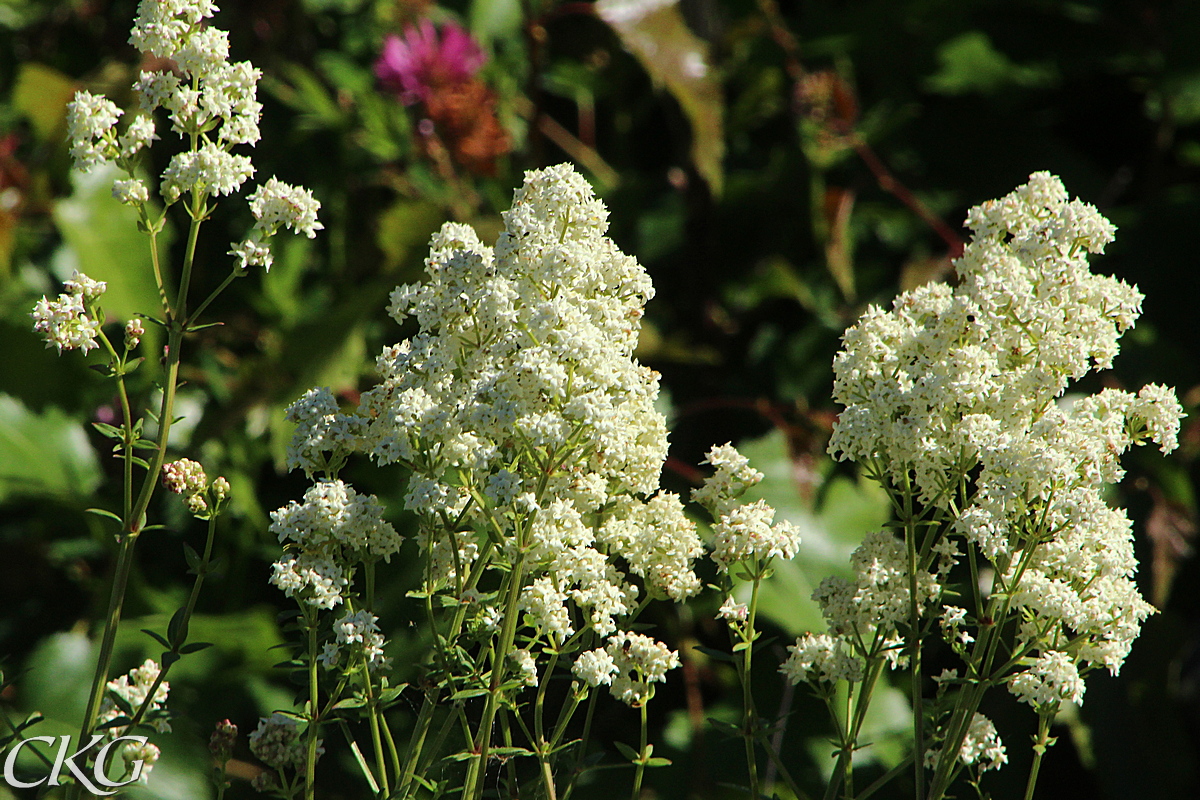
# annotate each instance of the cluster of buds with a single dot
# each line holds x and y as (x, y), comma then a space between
(187, 477)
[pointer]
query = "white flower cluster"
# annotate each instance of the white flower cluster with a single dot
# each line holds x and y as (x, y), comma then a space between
(329, 533)
(524, 418)
(981, 746)
(358, 633)
(212, 104)
(629, 664)
(71, 322)
(133, 690)
(146, 753)
(1051, 679)
(275, 204)
(862, 614)
(967, 381)
(821, 658)
(878, 598)
(277, 741)
(743, 533)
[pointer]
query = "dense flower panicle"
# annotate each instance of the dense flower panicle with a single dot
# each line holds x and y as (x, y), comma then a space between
(314, 578)
(526, 667)
(531, 435)
(981, 747)
(213, 104)
(524, 359)
(746, 532)
(733, 477)
(358, 633)
(90, 123)
(969, 381)
(208, 170)
(595, 667)
(878, 598)
(67, 323)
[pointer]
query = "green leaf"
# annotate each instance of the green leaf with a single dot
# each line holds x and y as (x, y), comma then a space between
(194, 647)
(658, 761)
(194, 561)
(830, 530)
(659, 37)
(510, 752)
(101, 512)
(41, 93)
(715, 655)
(109, 431)
(177, 628)
(627, 751)
(157, 637)
(44, 454)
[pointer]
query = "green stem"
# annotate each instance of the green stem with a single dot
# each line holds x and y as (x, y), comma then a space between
(539, 728)
(642, 755)
(749, 712)
(310, 762)
(417, 742)
(201, 573)
(914, 623)
(473, 786)
(116, 599)
(1040, 746)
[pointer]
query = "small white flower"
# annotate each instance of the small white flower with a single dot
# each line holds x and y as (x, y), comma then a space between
(733, 611)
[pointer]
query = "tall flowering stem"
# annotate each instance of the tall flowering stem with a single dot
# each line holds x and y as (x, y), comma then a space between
(211, 104)
(746, 540)
(954, 404)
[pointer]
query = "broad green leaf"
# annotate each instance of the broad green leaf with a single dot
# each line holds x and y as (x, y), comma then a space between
(848, 510)
(658, 36)
(44, 454)
(41, 93)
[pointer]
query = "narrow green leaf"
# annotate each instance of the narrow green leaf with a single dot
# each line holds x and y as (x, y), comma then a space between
(156, 637)
(633, 755)
(100, 512)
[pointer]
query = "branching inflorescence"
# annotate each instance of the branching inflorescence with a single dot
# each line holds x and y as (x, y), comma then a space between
(955, 404)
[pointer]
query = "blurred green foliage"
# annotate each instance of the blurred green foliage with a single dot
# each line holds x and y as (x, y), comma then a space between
(797, 179)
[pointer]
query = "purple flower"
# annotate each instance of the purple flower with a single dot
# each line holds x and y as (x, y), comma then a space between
(416, 65)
